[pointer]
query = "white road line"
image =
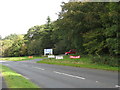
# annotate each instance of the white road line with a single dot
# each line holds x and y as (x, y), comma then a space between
(96, 81)
(117, 86)
(39, 68)
(68, 75)
(7, 64)
(2, 61)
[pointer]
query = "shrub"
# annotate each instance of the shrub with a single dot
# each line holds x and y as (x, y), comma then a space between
(105, 60)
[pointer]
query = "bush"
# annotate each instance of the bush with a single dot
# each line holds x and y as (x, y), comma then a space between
(105, 60)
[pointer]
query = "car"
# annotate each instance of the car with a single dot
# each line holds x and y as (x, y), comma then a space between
(72, 51)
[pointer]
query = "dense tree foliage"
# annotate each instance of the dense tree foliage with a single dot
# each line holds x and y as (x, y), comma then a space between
(39, 37)
(13, 45)
(90, 27)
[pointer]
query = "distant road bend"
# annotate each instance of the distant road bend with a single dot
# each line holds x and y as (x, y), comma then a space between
(55, 76)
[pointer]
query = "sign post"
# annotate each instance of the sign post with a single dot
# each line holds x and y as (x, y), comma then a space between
(51, 56)
(48, 52)
(59, 57)
(75, 57)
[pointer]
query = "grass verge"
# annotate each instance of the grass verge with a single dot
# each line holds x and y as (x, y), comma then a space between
(15, 80)
(19, 58)
(83, 62)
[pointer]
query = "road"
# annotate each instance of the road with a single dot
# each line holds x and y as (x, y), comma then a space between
(55, 76)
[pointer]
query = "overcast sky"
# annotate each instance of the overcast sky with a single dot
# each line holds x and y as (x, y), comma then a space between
(17, 16)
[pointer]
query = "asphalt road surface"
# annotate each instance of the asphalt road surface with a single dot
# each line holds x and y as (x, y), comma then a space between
(55, 76)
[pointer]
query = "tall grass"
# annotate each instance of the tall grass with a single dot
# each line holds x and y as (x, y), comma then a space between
(106, 60)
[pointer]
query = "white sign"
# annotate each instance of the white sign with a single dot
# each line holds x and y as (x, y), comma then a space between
(59, 57)
(48, 51)
(51, 56)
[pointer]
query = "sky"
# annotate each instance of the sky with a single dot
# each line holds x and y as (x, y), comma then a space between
(17, 16)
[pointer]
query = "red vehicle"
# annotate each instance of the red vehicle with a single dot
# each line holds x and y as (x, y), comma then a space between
(72, 51)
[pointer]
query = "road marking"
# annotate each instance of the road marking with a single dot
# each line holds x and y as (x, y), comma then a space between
(2, 61)
(96, 81)
(39, 68)
(117, 86)
(7, 64)
(68, 75)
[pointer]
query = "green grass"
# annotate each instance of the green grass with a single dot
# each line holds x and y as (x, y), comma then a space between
(19, 58)
(15, 80)
(84, 62)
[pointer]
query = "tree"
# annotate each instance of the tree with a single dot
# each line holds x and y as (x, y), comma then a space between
(39, 37)
(15, 48)
(75, 19)
(10, 37)
(104, 40)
